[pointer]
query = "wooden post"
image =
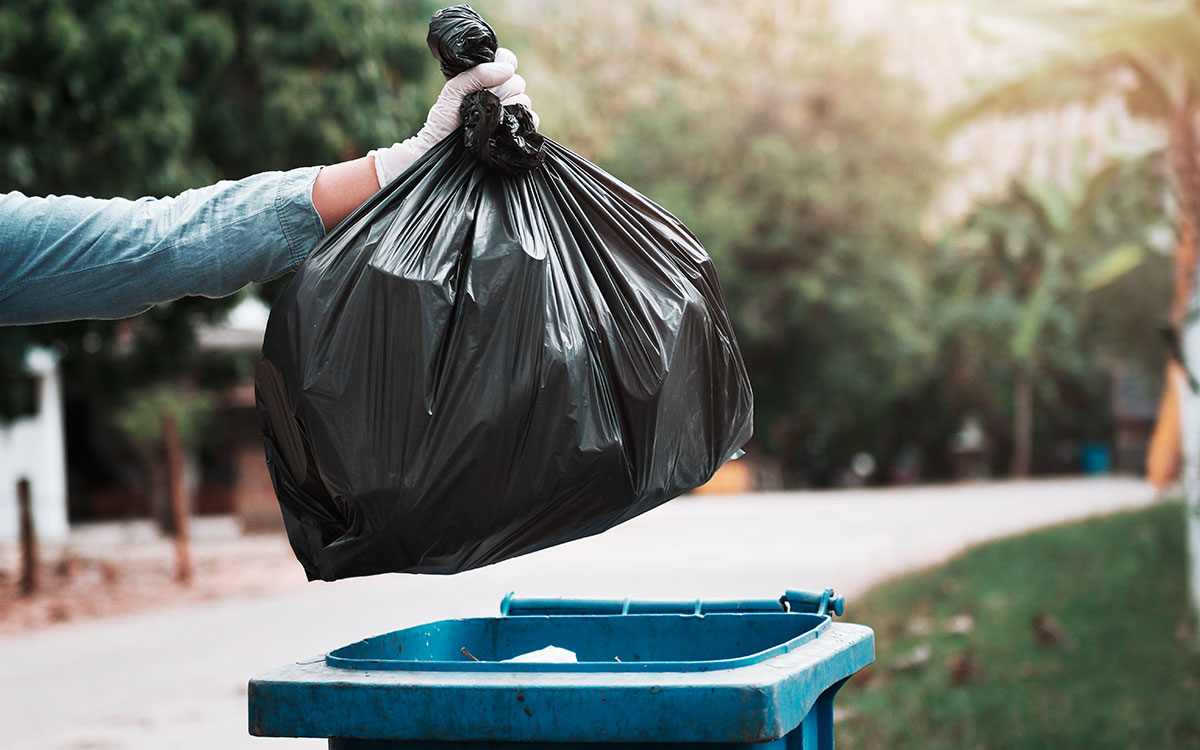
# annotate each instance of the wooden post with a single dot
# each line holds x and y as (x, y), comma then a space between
(1023, 395)
(29, 555)
(179, 500)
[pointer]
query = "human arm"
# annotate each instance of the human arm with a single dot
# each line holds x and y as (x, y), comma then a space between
(67, 257)
(340, 188)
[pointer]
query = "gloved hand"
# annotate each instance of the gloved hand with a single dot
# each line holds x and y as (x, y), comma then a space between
(499, 77)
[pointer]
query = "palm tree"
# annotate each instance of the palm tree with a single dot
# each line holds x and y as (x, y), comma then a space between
(1148, 52)
(1036, 252)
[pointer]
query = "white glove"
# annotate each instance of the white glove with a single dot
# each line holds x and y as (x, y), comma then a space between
(499, 77)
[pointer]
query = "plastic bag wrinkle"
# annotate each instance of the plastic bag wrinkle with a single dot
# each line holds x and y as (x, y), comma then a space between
(480, 363)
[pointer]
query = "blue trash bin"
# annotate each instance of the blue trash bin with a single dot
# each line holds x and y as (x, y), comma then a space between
(731, 673)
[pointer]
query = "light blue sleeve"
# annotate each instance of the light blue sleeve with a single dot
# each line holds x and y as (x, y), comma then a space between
(66, 258)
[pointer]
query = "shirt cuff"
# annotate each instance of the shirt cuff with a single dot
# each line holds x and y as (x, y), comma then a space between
(298, 218)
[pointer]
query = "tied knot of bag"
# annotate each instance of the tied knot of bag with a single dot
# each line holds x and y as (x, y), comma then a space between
(501, 137)
(460, 39)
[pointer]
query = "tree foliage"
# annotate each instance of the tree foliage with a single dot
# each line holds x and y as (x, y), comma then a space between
(1147, 53)
(141, 420)
(1035, 290)
(137, 97)
(123, 97)
(804, 168)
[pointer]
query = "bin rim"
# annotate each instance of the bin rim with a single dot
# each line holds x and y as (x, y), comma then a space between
(816, 624)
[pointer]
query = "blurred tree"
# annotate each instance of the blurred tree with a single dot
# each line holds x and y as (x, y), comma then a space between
(141, 421)
(1018, 322)
(804, 168)
(150, 97)
(1146, 52)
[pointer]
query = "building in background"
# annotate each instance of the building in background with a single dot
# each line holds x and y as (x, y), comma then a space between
(32, 449)
(237, 480)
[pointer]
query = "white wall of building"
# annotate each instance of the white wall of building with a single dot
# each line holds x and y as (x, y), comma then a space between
(33, 448)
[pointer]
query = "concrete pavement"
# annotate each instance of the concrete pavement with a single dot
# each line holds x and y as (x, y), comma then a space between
(176, 678)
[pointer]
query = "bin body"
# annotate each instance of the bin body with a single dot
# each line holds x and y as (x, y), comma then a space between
(763, 679)
(815, 731)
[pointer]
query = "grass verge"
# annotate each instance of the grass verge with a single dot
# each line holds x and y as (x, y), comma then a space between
(1076, 636)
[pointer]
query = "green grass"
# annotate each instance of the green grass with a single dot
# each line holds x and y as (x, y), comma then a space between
(1116, 585)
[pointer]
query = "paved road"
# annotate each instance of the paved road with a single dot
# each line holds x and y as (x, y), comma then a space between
(176, 678)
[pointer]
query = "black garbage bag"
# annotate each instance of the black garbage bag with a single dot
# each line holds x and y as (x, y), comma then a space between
(479, 363)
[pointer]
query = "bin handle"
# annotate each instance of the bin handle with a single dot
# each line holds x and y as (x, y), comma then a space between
(806, 601)
(824, 603)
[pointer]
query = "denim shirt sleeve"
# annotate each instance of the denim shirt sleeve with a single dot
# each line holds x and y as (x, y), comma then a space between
(65, 257)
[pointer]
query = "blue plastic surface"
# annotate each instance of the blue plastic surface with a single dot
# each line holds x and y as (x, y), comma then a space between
(792, 601)
(602, 643)
(730, 678)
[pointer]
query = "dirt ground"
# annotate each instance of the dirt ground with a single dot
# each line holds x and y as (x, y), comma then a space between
(117, 568)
